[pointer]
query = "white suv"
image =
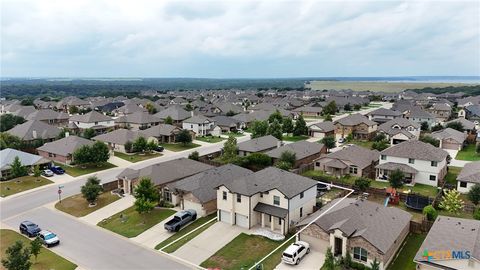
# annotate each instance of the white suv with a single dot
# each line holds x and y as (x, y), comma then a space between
(48, 238)
(295, 252)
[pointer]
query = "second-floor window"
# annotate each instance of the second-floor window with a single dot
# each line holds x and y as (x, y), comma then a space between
(383, 157)
(276, 200)
(411, 160)
(301, 195)
(434, 163)
(224, 195)
(239, 198)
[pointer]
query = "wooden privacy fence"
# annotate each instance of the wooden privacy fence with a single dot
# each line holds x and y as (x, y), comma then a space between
(420, 227)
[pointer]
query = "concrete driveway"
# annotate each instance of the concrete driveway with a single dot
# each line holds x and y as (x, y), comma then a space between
(312, 261)
(208, 242)
(155, 235)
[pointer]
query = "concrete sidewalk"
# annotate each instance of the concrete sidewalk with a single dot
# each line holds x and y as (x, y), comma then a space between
(119, 162)
(109, 210)
(154, 235)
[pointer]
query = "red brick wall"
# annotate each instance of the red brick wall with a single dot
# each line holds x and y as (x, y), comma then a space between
(57, 158)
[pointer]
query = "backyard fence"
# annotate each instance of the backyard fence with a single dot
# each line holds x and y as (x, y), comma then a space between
(303, 168)
(420, 227)
(110, 185)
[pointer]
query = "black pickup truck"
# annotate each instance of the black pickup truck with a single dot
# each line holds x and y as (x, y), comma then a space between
(180, 219)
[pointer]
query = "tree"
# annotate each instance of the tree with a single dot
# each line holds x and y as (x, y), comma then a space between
(362, 184)
(478, 149)
(146, 190)
(128, 146)
(99, 152)
(287, 125)
(455, 125)
(349, 137)
(73, 109)
(143, 206)
(36, 171)
(92, 189)
(329, 263)
(430, 140)
(275, 129)
(437, 127)
(88, 133)
(27, 102)
(347, 107)
(379, 137)
(328, 118)
(424, 126)
(230, 149)
(474, 194)
(10, 141)
(396, 178)
(17, 168)
(194, 155)
(283, 165)
(169, 120)
(476, 214)
(330, 109)
(259, 129)
(357, 107)
(380, 146)
(375, 265)
(275, 116)
(17, 257)
(451, 201)
(151, 146)
(82, 155)
(329, 142)
(36, 247)
(184, 137)
(288, 157)
(140, 144)
(8, 121)
(430, 212)
(189, 107)
(150, 108)
(300, 127)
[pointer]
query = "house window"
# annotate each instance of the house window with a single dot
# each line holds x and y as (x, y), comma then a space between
(167, 195)
(224, 195)
(239, 198)
(261, 195)
(360, 254)
(353, 169)
(270, 218)
(434, 163)
(96, 123)
(383, 157)
(191, 126)
(317, 164)
(411, 160)
(301, 195)
(433, 177)
(50, 154)
(463, 184)
(276, 200)
(279, 221)
(301, 211)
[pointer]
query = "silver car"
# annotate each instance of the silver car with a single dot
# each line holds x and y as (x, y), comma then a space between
(47, 173)
(48, 238)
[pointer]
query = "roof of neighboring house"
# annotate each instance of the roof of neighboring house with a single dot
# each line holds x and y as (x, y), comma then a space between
(355, 119)
(357, 155)
(130, 108)
(451, 233)
(336, 163)
(177, 113)
(8, 155)
(138, 118)
(225, 121)
(308, 109)
(271, 210)
(226, 107)
(417, 150)
(385, 112)
(416, 112)
(401, 122)
(468, 125)
(441, 107)
(119, 136)
(65, 146)
(474, 109)
(302, 149)
(270, 178)
(198, 119)
(202, 185)
(470, 173)
(258, 144)
(47, 114)
(450, 133)
(160, 130)
(34, 129)
(166, 172)
(90, 117)
(24, 111)
(326, 126)
(380, 226)
(393, 166)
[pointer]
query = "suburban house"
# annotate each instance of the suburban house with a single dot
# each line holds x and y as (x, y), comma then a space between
(382, 115)
(62, 150)
(68, 102)
(451, 243)
(468, 126)
(305, 152)
(421, 163)
(199, 192)
(468, 177)
(35, 130)
(399, 130)
(129, 109)
(161, 174)
(199, 124)
(271, 198)
(418, 115)
(258, 145)
(471, 113)
(365, 229)
(164, 133)
(137, 121)
(352, 160)
(321, 130)
(307, 111)
(95, 120)
(358, 125)
(117, 139)
(7, 156)
(226, 123)
(450, 138)
(441, 111)
(51, 117)
(177, 113)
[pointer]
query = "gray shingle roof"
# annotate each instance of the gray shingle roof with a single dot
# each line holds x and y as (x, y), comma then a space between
(198, 119)
(468, 125)
(176, 112)
(65, 146)
(416, 150)
(302, 149)
(449, 133)
(8, 155)
(34, 129)
(90, 117)
(160, 130)
(258, 144)
(138, 118)
(354, 119)
(392, 166)
(130, 108)
(357, 155)
(326, 126)
(384, 112)
(119, 136)
(401, 122)
(225, 121)
(47, 114)
(271, 210)
(470, 173)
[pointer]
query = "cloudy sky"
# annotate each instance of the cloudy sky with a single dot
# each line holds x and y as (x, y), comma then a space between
(229, 39)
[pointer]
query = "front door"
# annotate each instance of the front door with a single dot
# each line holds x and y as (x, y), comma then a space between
(338, 247)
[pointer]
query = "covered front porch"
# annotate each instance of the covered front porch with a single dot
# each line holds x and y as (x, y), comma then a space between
(272, 218)
(383, 172)
(336, 168)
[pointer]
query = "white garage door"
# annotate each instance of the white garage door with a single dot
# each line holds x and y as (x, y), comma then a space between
(317, 134)
(448, 145)
(225, 216)
(195, 206)
(241, 220)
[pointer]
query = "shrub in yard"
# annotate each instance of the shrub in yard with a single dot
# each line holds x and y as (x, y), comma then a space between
(430, 212)
(283, 165)
(128, 146)
(194, 155)
(474, 194)
(476, 214)
(362, 184)
(452, 202)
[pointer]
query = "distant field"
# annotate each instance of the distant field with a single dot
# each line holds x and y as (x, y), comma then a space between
(377, 86)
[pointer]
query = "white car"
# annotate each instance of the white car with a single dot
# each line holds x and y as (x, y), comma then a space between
(341, 140)
(48, 173)
(48, 238)
(295, 252)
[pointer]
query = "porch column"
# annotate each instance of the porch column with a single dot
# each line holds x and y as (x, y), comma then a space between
(272, 224)
(282, 226)
(263, 220)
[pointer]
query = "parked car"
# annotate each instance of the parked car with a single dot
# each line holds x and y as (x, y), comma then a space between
(159, 148)
(295, 252)
(48, 238)
(180, 219)
(57, 170)
(341, 140)
(47, 173)
(29, 228)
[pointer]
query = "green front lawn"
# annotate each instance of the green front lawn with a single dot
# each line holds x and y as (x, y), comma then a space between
(197, 223)
(20, 184)
(129, 223)
(365, 144)
(210, 139)
(234, 134)
(451, 177)
(404, 261)
(46, 259)
(294, 138)
(77, 206)
(85, 169)
(136, 157)
(177, 147)
(468, 153)
(243, 252)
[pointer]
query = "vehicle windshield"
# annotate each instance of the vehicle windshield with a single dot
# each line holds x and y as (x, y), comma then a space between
(287, 255)
(32, 225)
(50, 236)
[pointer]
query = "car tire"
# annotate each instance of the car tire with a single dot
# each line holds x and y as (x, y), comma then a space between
(194, 217)
(177, 228)
(308, 250)
(296, 262)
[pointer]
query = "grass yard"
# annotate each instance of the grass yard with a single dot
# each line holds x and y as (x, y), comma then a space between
(451, 177)
(21, 184)
(197, 223)
(46, 260)
(136, 157)
(177, 147)
(210, 139)
(365, 144)
(404, 261)
(242, 253)
(77, 206)
(130, 224)
(85, 169)
(294, 138)
(236, 135)
(468, 153)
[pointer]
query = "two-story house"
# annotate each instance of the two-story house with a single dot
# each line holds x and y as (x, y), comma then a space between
(441, 111)
(420, 162)
(137, 121)
(199, 124)
(399, 130)
(356, 124)
(419, 116)
(382, 115)
(99, 122)
(270, 198)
